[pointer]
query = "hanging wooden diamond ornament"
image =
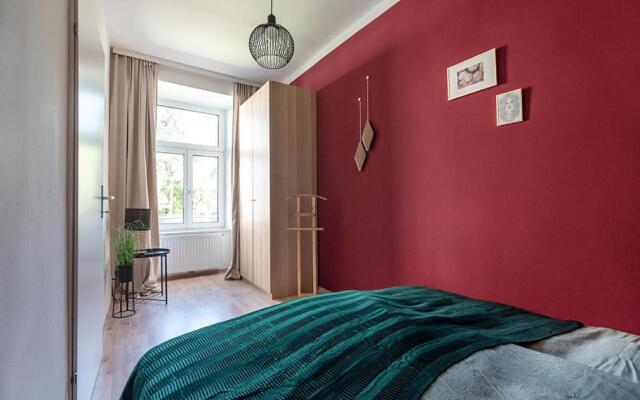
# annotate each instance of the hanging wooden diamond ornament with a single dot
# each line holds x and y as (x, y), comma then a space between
(360, 157)
(367, 136)
(368, 133)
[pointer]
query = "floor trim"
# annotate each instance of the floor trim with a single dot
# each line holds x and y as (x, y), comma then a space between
(192, 274)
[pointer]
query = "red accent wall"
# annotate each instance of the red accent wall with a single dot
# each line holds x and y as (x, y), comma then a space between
(544, 214)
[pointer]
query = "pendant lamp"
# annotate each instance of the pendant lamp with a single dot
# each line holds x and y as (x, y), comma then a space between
(270, 44)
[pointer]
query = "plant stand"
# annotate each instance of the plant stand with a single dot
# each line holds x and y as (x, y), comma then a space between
(126, 302)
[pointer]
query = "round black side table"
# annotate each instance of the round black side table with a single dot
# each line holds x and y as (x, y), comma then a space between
(163, 294)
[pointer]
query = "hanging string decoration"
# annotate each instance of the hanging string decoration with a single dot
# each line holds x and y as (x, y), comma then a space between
(368, 134)
(361, 153)
(365, 135)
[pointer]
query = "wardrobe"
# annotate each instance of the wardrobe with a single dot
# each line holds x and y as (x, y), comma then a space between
(277, 159)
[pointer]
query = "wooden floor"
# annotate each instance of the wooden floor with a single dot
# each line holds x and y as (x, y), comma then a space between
(193, 303)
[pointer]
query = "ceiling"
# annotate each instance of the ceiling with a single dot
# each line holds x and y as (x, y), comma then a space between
(214, 34)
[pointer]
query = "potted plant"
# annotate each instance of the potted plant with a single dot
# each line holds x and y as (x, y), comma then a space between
(125, 246)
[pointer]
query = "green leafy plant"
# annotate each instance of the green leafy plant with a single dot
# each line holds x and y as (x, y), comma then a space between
(125, 245)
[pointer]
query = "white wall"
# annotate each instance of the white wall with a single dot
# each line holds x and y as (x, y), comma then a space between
(33, 274)
(195, 80)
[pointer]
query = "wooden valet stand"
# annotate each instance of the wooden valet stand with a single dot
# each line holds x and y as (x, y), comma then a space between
(314, 229)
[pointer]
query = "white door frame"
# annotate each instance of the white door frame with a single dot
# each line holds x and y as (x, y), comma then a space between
(72, 193)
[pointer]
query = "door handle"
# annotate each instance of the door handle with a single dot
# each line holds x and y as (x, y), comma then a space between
(102, 199)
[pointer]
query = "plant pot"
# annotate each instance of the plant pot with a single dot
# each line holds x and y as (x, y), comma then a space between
(125, 273)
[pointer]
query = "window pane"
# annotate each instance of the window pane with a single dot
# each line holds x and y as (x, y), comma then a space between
(184, 126)
(204, 197)
(170, 173)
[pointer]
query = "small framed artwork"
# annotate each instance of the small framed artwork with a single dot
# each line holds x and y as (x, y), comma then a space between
(472, 75)
(509, 107)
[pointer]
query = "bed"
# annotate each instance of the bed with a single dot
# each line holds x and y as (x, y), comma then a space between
(396, 343)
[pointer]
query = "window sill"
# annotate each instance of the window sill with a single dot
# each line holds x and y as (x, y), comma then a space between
(194, 231)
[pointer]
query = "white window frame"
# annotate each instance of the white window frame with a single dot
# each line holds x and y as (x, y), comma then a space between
(189, 150)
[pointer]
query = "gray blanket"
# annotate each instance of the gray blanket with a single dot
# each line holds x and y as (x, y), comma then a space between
(577, 365)
(511, 372)
(607, 350)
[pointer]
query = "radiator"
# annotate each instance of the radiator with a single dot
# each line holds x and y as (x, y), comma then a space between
(197, 251)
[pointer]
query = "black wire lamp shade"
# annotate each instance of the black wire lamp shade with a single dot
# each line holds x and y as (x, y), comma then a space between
(270, 44)
(137, 219)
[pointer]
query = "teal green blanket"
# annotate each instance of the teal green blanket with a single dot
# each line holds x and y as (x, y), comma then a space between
(384, 344)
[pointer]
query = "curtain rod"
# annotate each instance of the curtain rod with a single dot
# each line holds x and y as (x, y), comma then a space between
(184, 67)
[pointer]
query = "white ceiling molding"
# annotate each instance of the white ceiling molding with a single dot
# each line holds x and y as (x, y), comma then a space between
(341, 38)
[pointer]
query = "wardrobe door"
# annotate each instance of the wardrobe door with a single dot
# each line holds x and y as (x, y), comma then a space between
(245, 202)
(261, 184)
(293, 161)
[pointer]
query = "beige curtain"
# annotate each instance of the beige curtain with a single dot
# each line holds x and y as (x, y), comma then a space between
(132, 157)
(241, 93)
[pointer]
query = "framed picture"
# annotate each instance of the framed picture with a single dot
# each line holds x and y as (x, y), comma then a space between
(509, 107)
(472, 75)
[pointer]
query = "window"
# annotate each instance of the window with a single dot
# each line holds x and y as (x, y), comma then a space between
(170, 170)
(204, 194)
(189, 167)
(186, 126)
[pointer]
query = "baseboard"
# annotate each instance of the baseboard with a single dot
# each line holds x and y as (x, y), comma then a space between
(193, 274)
